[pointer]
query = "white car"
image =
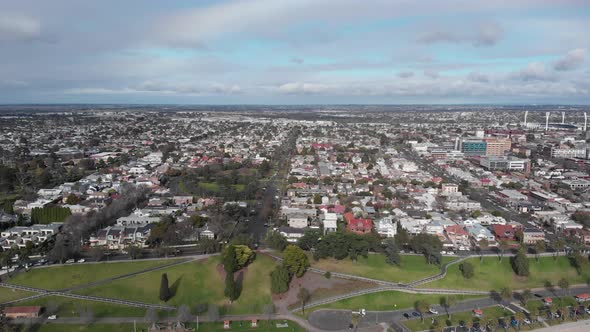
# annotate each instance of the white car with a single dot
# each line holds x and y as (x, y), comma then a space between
(527, 321)
(433, 311)
(82, 260)
(52, 317)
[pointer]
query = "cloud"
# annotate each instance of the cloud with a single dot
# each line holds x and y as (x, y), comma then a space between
(572, 60)
(162, 88)
(478, 77)
(303, 88)
(297, 60)
(489, 34)
(15, 27)
(432, 74)
(486, 34)
(534, 71)
(13, 84)
(405, 74)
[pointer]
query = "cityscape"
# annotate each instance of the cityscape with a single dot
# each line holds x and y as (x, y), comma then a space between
(260, 165)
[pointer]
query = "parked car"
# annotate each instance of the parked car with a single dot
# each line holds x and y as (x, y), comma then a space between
(81, 260)
(526, 321)
(433, 311)
(52, 317)
(415, 314)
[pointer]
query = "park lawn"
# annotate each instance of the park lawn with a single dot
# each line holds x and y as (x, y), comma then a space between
(491, 274)
(211, 186)
(9, 294)
(65, 276)
(491, 313)
(413, 267)
(263, 326)
(91, 328)
(68, 307)
(195, 283)
(386, 301)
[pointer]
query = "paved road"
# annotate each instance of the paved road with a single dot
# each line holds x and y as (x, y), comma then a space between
(329, 319)
(579, 326)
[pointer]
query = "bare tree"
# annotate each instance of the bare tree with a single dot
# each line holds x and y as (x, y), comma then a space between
(151, 315)
(213, 312)
(87, 315)
(184, 314)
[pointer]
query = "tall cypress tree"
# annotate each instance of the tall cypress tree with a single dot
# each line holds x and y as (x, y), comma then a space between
(164, 288)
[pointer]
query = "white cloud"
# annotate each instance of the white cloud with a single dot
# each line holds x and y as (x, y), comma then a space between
(15, 27)
(534, 71)
(405, 74)
(572, 60)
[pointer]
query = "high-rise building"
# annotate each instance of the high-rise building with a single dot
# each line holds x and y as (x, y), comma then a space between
(474, 147)
(497, 146)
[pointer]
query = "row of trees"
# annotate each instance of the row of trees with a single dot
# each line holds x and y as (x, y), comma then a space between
(295, 263)
(50, 214)
(235, 257)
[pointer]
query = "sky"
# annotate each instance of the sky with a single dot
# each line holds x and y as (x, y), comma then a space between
(295, 51)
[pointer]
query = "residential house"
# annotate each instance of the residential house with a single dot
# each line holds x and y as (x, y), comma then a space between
(386, 227)
(358, 225)
(532, 235)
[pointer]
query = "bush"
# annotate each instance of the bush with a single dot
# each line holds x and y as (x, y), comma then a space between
(467, 270)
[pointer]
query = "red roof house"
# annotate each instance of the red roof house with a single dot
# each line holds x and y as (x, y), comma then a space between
(358, 225)
(505, 232)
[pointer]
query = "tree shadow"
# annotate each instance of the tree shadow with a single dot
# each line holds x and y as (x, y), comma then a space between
(174, 287)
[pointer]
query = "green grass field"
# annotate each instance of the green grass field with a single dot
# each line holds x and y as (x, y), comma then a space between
(383, 301)
(492, 313)
(413, 267)
(263, 326)
(65, 276)
(91, 328)
(491, 274)
(194, 283)
(8, 294)
(68, 307)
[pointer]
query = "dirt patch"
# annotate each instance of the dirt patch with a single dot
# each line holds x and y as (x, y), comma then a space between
(319, 287)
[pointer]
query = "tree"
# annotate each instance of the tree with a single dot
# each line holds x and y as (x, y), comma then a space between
(519, 316)
(447, 302)
(579, 261)
(526, 295)
(520, 263)
(97, 253)
(280, 279)
(564, 284)
(317, 199)
(422, 307)
(309, 240)
(134, 251)
(467, 270)
(184, 314)
(213, 312)
(503, 246)
(392, 252)
(506, 294)
(276, 241)
(230, 263)
(558, 244)
(295, 260)
(151, 315)
(87, 315)
(539, 248)
(303, 296)
(164, 288)
(232, 288)
(72, 199)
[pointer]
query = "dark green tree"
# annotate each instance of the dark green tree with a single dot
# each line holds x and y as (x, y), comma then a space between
(467, 270)
(165, 293)
(392, 252)
(520, 263)
(280, 279)
(295, 260)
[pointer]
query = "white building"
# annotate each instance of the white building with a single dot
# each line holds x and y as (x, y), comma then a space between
(386, 227)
